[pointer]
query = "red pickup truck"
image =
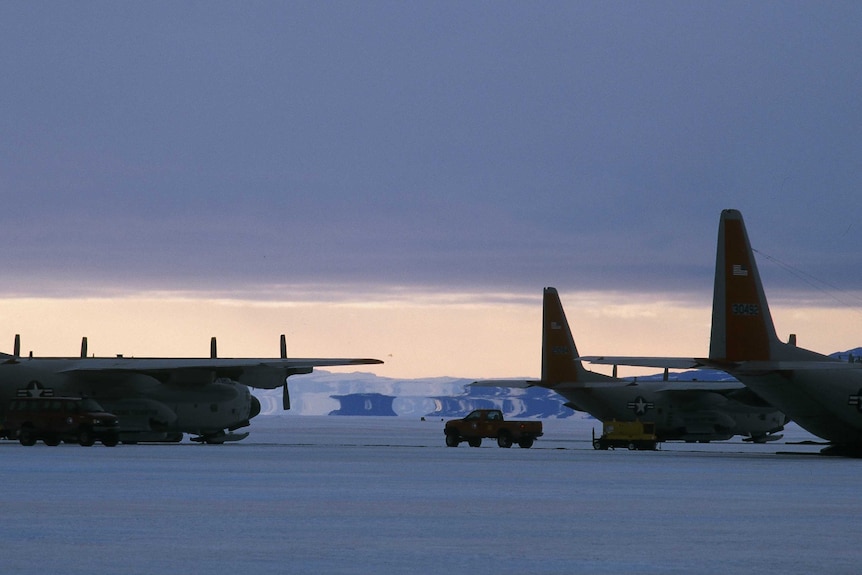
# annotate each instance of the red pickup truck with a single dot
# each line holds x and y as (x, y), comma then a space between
(56, 419)
(489, 423)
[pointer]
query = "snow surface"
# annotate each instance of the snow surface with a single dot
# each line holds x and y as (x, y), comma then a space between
(383, 494)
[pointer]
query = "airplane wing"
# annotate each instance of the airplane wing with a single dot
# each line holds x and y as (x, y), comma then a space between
(764, 366)
(658, 362)
(255, 372)
(264, 373)
(732, 367)
(675, 386)
(671, 386)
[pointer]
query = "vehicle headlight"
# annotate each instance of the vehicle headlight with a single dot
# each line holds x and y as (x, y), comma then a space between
(97, 421)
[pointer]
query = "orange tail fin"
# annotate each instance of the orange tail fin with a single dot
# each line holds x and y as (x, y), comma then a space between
(742, 327)
(558, 345)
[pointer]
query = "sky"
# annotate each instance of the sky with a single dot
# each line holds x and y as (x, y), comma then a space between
(401, 179)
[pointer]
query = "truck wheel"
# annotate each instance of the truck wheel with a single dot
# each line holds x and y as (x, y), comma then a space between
(111, 440)
(452, 441)
(85, 438)
(504, 440)
(26, 436)
(597, 444)
(52, 440)
(632, 446)
(526, 442)
(475, 442)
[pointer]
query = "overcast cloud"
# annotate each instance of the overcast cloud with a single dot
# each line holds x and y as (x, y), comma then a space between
(441, 146)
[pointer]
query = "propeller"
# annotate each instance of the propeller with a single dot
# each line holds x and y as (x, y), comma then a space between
(16, 351)
(285, 395)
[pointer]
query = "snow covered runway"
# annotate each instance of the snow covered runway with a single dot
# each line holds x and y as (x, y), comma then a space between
(366, 495)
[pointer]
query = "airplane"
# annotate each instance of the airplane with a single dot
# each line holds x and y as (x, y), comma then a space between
(700, 411)
(820, 393)
(160, 399)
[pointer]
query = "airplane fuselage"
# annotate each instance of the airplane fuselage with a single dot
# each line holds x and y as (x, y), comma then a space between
(678, 415)
(827, 403)
(147, 409)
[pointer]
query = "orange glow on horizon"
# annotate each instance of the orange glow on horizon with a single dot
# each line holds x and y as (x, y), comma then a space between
(458, 337)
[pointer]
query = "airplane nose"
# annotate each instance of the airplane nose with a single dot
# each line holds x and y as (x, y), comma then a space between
(254, 407)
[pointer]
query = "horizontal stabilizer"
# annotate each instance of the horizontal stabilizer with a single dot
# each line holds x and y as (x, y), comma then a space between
(515, 383)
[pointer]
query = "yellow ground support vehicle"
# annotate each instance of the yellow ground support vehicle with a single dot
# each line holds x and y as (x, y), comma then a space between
(629, 434)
